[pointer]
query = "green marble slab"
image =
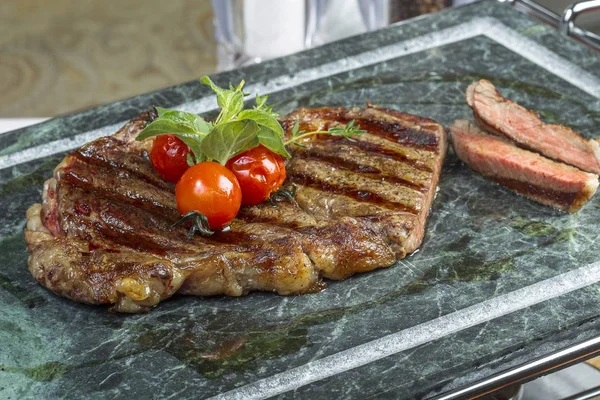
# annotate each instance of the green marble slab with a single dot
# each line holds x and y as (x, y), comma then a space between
(499, 280)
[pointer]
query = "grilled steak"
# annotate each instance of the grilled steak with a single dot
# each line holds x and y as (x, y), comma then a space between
(103, 234)
(527, 173)
(495, 114)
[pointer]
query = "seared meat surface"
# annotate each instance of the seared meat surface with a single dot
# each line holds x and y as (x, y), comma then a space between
(103, 233)
(495, 114)
(548, 182)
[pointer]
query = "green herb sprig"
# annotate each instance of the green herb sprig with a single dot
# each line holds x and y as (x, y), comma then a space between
(347, 131)
(235, 130)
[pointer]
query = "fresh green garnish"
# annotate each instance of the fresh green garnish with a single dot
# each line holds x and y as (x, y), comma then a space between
(347, 131)
(229, 139)
(234, 131)
(188, 127)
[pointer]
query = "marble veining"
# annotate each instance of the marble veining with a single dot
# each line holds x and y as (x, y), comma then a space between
(418, 335)
(498, 281)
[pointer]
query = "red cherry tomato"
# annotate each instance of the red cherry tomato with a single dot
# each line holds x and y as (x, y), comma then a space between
(259, 171)
(169, 157)
(210, 189)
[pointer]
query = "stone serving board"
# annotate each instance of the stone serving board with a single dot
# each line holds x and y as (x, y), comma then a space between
(498, 281)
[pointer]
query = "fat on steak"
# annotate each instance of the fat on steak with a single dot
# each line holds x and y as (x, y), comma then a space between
(103, 232)
(549, 182)
(495, 114)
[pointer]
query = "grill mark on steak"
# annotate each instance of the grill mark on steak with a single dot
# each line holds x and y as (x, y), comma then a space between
(325, 206)
(390, 131)
(419, 151)
(363, 170)
(121, 222)
(286, 214)
(367, 164)
(118, 221)
(323, 173)
(129, 226)
(400, 128)
(399, 133)
(108, 152)
(110, 218)
(356, 194)
(339, 162)
(123, 186)
(380, 150)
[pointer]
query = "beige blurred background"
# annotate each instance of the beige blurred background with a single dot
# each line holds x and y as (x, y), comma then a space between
(59, 56)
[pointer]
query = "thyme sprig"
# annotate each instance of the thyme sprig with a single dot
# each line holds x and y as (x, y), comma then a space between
(348, 131)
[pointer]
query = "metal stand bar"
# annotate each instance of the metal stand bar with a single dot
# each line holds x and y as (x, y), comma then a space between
(566, 22)
(529, 371)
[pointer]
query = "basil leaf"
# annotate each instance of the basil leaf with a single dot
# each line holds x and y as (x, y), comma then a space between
(261, 101)
(161, 126)
(160, 111)
(231, 101)
(263, 118)
(272, 141)
(193, 140)
(194, 122)
(229, 139)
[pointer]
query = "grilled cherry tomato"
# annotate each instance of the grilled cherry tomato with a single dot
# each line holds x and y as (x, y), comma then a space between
(210, 189)
(169, 157)
(259, 171)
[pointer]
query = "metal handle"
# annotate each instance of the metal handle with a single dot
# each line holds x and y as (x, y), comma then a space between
(524, 373)
(537, 10)
(566, 23)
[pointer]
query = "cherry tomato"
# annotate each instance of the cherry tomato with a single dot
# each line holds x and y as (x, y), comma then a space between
(169, 157)
(259, 171)
(210, 189)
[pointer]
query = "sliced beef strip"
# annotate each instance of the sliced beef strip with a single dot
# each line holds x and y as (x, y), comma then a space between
(495, 114)
(548, 182)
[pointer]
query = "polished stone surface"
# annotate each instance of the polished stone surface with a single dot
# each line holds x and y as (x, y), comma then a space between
(499, 279)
